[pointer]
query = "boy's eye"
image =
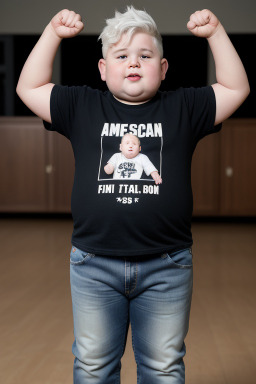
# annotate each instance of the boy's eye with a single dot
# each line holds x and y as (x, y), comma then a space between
(145, 57)
(122, 57)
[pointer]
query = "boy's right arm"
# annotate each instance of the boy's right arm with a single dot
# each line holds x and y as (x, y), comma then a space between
(34, 86)
(109, 168)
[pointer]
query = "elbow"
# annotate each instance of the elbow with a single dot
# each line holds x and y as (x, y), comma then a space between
(22, 92)
(19, 90)
(247, 91)
(106, 170)
(244, 93)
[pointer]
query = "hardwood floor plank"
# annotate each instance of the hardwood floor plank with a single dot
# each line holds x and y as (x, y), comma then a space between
(36, 323)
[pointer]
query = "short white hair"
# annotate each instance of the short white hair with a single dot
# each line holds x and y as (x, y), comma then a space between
(129, 22)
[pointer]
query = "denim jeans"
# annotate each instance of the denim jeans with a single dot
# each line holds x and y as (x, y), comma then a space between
(152, 293)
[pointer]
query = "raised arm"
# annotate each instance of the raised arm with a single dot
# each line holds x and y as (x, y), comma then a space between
(232, 85)
(34, 85)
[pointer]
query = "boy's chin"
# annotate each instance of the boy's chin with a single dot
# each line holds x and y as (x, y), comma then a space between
(130, 155)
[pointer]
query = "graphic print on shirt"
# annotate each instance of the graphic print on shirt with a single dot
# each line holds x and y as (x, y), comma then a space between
(131, 152)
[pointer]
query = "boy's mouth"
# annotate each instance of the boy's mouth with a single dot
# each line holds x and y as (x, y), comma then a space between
(134, 77)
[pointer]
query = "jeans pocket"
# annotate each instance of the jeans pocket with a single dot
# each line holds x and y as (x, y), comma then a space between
(79, 257)
(181, 259)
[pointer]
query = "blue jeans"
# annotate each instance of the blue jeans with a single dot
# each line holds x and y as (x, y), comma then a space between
(151, 293)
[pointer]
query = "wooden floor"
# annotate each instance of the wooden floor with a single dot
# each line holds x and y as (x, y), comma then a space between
(36, 327)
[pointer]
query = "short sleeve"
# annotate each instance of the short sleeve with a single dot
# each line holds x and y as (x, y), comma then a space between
(113, 160)
(63, 104)
(201, 104)
(148, 166)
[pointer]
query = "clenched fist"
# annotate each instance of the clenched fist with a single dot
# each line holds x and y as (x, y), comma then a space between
(203, 23)
(67, 24)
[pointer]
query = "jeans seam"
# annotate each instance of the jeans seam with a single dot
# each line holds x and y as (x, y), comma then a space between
(136, 278)
(125, 280)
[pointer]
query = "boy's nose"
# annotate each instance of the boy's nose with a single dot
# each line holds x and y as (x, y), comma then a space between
(134, 65)
(134, 62)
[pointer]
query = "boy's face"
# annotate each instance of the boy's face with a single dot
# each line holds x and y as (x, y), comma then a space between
(130, 146)
(133, 72)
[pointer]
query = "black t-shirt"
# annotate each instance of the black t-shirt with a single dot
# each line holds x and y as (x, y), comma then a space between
(125, 215)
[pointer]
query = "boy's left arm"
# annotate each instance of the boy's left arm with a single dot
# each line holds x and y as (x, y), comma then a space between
(232, 85)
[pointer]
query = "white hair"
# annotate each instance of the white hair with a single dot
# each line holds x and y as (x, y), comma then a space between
(129, 22)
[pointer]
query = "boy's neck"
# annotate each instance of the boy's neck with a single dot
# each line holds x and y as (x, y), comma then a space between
(131, 102)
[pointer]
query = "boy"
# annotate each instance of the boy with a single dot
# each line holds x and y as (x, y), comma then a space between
(132, 262)
(123, 167)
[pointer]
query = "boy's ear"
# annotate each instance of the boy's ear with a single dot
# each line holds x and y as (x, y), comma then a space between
(102, 69)
(164, 66)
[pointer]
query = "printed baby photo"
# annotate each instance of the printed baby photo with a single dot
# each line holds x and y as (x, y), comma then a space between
(127, 160)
